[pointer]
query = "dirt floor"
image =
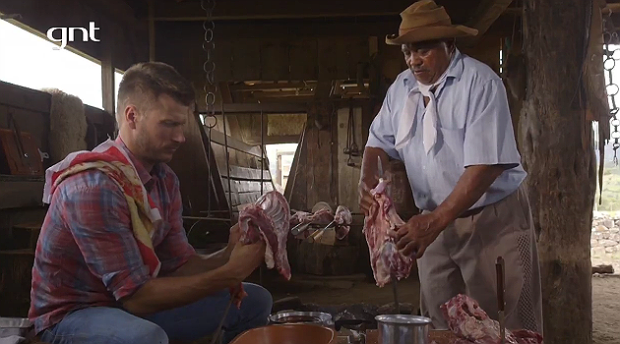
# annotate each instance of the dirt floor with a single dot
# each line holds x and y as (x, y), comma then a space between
(605, 309)
(357, 288)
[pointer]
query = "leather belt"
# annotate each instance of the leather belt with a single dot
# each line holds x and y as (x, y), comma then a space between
(471, 212)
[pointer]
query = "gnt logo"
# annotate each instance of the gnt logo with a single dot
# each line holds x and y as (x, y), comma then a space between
(67, 34)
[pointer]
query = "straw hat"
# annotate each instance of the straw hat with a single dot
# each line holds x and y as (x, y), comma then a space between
(425, 21)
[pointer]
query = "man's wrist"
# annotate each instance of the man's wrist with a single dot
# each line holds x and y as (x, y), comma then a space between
(443, 216)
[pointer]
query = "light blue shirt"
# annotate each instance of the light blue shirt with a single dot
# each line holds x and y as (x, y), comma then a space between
(474, 127)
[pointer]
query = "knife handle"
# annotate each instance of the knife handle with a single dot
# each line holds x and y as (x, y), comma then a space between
(499, 268)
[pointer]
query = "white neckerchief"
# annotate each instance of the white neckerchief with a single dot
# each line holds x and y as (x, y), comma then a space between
(429, 119)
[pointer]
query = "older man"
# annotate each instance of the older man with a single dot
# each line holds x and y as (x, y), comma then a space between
(113, 264)
(447, 119)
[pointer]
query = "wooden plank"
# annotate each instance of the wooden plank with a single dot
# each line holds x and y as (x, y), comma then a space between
(484, 16)
(198, 171)
(248, 108)
(275, 60)
(107, 77)
(272, 9)
(319, 154)
(288, 189)
(348, 176)
(218, 138)
(24, 98)
(246, 62)
(18, 194)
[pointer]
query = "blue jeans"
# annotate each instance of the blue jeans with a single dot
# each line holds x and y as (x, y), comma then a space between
(108, 325)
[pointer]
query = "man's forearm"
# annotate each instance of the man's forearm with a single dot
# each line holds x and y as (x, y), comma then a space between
(203, 263)
(164, 293)
(474, 182)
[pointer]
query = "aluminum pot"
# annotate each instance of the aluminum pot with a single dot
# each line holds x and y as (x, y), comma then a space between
(14, 327)
(295, 317)
(402, 329)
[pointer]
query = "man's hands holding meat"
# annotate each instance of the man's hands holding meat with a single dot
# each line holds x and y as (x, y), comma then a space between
(414, 237)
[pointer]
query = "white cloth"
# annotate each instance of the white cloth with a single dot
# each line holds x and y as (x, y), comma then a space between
(429, 119)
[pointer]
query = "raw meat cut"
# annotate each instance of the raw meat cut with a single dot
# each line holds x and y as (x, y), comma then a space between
(321, 217)
(385, 259)
(268, 220)
(344, 219)
(299, 217)
(472, 324)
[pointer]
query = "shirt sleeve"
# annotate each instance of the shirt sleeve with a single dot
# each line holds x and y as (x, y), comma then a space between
(489, 135)
(99, 220)
(381, 133)
(175, 250)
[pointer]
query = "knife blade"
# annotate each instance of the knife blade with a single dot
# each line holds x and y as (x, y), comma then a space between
(380, 168)
(395, 291)
(501, 304)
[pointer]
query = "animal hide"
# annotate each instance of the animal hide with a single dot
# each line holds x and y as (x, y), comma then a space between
(68, 125)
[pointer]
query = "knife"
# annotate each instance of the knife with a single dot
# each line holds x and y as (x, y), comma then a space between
(380, 169)
(501, 304)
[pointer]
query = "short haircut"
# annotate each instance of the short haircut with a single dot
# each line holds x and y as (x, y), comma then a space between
(146, 81)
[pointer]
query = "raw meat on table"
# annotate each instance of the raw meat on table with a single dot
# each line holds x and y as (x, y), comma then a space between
(385, 259)
(472, 324)
(344, 219)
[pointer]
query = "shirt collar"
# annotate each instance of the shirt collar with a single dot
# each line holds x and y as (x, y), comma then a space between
(143, 173)
(455, 70)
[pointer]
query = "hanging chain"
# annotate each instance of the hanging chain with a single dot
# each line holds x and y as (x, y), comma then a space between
(210, 121)
(611, 59)
(209, 65)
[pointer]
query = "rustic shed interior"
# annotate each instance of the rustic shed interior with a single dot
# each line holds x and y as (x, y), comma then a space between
(312, 74)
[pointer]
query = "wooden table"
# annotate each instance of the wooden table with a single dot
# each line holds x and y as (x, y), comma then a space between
(439, 336)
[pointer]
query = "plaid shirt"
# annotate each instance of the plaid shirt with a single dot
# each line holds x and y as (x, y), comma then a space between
(87, 254)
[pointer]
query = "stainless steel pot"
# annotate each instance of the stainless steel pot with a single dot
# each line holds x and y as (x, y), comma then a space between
(291, 317)
(402, 329)
(14, 327)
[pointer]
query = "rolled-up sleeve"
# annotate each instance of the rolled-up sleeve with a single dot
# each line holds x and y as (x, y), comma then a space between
(175, 250)
(381, 133)
(489, 135)
(100, 222)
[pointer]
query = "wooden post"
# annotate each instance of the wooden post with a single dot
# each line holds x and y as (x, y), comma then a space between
(107, 74)
(559, 157)
(151, 31)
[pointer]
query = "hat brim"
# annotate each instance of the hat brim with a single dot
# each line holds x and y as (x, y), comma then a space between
(431, 33)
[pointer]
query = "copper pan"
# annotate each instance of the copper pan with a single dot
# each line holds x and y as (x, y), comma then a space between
(288, 334)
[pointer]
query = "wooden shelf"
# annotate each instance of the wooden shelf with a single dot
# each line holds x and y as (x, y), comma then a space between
(21, 191)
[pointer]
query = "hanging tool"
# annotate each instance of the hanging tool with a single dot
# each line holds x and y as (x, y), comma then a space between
(351, 148)
(501, 304)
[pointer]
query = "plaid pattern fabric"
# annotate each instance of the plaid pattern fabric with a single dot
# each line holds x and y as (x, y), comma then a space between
(88, 253)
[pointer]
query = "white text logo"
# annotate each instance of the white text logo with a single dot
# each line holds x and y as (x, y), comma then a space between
(67, 34)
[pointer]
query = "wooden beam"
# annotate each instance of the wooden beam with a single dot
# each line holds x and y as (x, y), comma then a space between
(151, 30)
(558, 156)
(273, 9)
(271, 108)
(107, 77)
(485, 15)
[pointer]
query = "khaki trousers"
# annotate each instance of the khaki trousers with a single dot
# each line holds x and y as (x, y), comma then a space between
(462, 261)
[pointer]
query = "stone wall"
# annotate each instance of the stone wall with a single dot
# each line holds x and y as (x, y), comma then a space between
(606, 239)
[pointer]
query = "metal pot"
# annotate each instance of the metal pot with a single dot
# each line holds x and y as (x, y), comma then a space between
(15, 327)
(402, 329)
(292, 317)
